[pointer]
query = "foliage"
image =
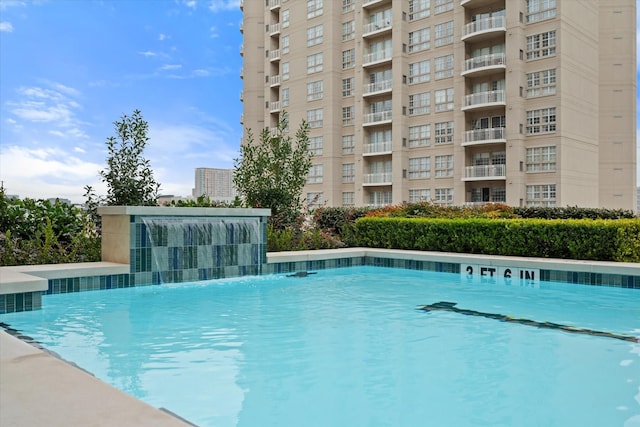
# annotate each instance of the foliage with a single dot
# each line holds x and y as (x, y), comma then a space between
(128, 174)
(203, 202)
(290, 239)
(41, 232)
(573, 212)
(432, 210)
(272, 173)
(603, 240)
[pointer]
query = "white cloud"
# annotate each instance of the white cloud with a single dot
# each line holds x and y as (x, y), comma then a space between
(190, 3)
(5, 4)
(162, 37)
(166, 67)
(147, 53)
(221, 5)
(213, 33)
(6, 26)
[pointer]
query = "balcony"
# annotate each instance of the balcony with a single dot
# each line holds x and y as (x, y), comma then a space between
(372, 3)
(242, 27)
(381, 117)
(484, 136)
(274, 107)
(241, 4)
(375, 58)
(242, 119)
(484, 64)
(274, 5)
(241, 96)
(376, 88)
(274, 55)
(484, 28)
(242, 72)
(376, 28)
(370, 179)
(485, 173)
(377, 148)
(476, 101)
(274, 80)
(274, 29)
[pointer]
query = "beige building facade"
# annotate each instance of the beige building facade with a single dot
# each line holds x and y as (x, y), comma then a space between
(215, 183)
(523, 102)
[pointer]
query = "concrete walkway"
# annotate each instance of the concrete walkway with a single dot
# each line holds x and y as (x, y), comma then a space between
(38, 389)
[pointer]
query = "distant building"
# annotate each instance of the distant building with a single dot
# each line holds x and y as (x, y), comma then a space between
(53, 200)
(215, 183)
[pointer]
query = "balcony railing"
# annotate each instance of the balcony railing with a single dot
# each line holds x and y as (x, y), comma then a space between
(381, 147)
(381, 116)
(241, 95)
(483, 172)
(274, 4)
(274, 55)
(479, 136)
(381, 55)
(383, 178)
(274, 29)
(274, 106)
(494, 60)
(274, 80)
(374, 27)
(381, 86)
(369, 3)
(486, 25)
(241, 4)
(482, 99)
(242, 50)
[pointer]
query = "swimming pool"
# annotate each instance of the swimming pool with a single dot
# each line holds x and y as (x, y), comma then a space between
(351, 347)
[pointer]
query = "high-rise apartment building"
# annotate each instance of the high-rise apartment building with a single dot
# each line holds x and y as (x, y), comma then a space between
(217, 184)
(523, 102)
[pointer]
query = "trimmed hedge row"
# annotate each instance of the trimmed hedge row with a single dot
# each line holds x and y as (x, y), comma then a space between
(602, 240)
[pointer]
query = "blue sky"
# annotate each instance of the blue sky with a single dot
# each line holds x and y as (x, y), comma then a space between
(70, 68)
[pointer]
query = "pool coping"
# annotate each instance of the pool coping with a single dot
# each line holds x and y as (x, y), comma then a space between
(31, 379)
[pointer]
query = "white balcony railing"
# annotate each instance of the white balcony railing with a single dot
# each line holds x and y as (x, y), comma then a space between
(381, 116)
(380, 86)
(274, 106)
(274, 4)
(274, 55)
(475, 100)
(485, 61)
(274, 80)
(274, 28)
(383, 178)
(376, 26)
(485, 172)
(380, 147)
(485, 25)
(477, 136)
(381, 55)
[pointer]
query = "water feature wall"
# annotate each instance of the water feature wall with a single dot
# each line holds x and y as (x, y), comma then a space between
(169, 245)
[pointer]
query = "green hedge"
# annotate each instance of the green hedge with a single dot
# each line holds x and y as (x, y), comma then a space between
(603, 240)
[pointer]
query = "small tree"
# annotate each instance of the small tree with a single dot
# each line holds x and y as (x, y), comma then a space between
(128, 175)
(273, 172)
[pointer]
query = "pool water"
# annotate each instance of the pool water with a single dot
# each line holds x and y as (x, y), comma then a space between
(349, 347)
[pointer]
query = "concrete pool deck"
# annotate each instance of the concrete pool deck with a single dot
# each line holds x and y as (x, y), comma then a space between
(37, 388)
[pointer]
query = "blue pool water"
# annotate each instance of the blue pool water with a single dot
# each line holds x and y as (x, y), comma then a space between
(348, 347)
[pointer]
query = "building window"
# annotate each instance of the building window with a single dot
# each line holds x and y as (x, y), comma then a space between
(314, 90)
(348, 172)
(285, 97)
(420, 72)
(444, 166)
(285, 70)
(443, 34)
(541, 195)
(442, 6)
(315, 174)
(443, 67)
(348, 198)
(541, 121)
(444, 196)
(444, 132)
(316, 145)
(541, 83)
(498, 195)
(420, 103)
(444, 99)
(314, 63)
(314, 8)
(314, 118)
(380, 198)
(539, 10)
(348, 114)
(348, 5)
(541, 45)
(315, 199)
(419, 9)
(541, 159)
(348, 30)
(419, 167)
(419, 136)
(419, 40)
(314, 35)
(285, 18)
(420, 195)
(347, 87)
(348, 144)
(348, 59)
(284, 44)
